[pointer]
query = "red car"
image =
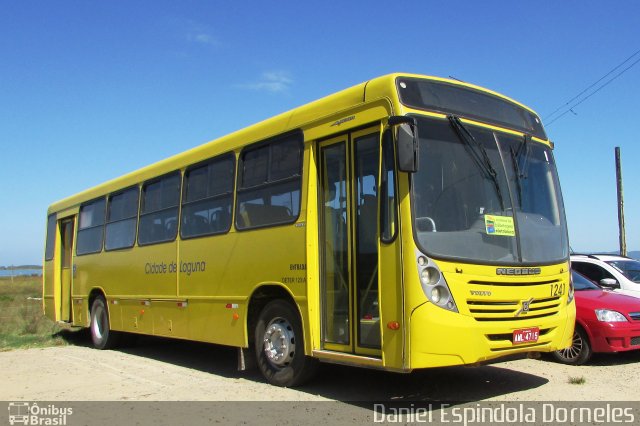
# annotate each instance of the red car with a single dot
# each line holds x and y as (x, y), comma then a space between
(605, 322)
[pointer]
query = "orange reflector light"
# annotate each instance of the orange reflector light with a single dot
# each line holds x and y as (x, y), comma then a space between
(141, 311)
(235, 316)
(393, 325)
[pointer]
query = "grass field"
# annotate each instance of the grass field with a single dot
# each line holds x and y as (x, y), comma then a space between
(22, 323)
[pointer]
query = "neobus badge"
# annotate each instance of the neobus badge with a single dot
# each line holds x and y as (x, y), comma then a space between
(518, 271)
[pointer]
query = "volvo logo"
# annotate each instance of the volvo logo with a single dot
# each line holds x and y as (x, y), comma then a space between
(480, 293)
(526, 304)
(518, 271)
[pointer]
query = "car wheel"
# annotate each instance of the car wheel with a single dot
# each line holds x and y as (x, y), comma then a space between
(280, 346)
(579, 352)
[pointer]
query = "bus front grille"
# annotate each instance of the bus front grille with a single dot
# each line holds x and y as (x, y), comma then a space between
(512, 309)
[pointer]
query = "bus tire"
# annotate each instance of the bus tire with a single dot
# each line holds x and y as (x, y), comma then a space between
(280, 346)
(101, 334)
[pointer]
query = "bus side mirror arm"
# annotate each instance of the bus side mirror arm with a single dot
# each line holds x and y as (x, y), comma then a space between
(406, 138)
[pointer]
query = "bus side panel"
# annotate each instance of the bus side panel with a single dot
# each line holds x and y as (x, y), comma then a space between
(391, 308)
(312, 329)
(207, 279)
(80, 312)
(84, 281)
(170, 319)
(212, 321)
(234, 266)
(132, 277)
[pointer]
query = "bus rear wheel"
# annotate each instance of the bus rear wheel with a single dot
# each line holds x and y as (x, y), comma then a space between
(101, 334)
(280, 346)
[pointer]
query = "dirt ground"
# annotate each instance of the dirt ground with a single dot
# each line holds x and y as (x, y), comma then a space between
(169, 370)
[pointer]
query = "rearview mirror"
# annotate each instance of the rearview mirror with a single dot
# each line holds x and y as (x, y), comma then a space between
(609, 283)
(406, 137)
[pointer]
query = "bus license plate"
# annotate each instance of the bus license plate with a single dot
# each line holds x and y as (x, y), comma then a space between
(526, 335)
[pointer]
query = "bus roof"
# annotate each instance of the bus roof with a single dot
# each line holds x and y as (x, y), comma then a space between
(380, 87)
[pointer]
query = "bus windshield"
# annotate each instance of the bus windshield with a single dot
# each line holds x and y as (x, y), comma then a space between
(485, 196)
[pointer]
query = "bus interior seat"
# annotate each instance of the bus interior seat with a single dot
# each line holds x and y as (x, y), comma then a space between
(219, 220)
(171, 228)
(260, 214)
(156, 233)
(243, 217)
(200, 224)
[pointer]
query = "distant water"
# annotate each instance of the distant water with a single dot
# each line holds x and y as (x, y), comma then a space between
(16, 272)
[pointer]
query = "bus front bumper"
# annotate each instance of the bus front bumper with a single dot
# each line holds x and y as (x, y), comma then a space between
(442, 338)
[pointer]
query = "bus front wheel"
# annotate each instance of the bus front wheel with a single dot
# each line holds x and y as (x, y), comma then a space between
(101, 334)
(280, 346)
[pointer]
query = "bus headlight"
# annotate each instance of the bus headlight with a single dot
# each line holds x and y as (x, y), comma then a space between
(435, 294)
(433, 284)
(430, 275)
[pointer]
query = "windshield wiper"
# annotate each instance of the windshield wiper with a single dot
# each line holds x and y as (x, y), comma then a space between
(481, 158)
(518, 174)
(522, 152)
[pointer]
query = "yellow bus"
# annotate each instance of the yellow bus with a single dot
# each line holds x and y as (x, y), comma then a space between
(403, 223)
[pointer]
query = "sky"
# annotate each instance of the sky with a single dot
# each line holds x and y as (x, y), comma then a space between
(92, 90)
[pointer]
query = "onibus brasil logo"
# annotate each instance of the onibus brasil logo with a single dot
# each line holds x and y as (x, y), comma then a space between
(27, 413)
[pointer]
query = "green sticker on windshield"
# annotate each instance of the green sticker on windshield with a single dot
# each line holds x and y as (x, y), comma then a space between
(499, 225)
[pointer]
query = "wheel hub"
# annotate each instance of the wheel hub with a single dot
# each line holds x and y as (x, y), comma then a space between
(98, 324)
(279, 342)
(573, 351)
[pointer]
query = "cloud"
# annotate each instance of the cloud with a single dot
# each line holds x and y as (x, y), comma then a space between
(272, 81)
(198, 33)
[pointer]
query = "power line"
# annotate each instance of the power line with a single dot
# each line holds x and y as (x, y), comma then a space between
(592, 93)
(599, 80)
(571, 106)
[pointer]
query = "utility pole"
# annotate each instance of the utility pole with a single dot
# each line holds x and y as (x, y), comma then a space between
(623, 240)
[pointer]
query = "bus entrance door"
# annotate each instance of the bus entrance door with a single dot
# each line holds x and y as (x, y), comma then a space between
(349, 243)
(66, 268)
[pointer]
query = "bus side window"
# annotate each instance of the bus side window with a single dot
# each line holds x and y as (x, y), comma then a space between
(270, 181)
(51, 237)
(159, 210)
(122, 215)
(388, 210)
(207, 198)
(91, 227)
